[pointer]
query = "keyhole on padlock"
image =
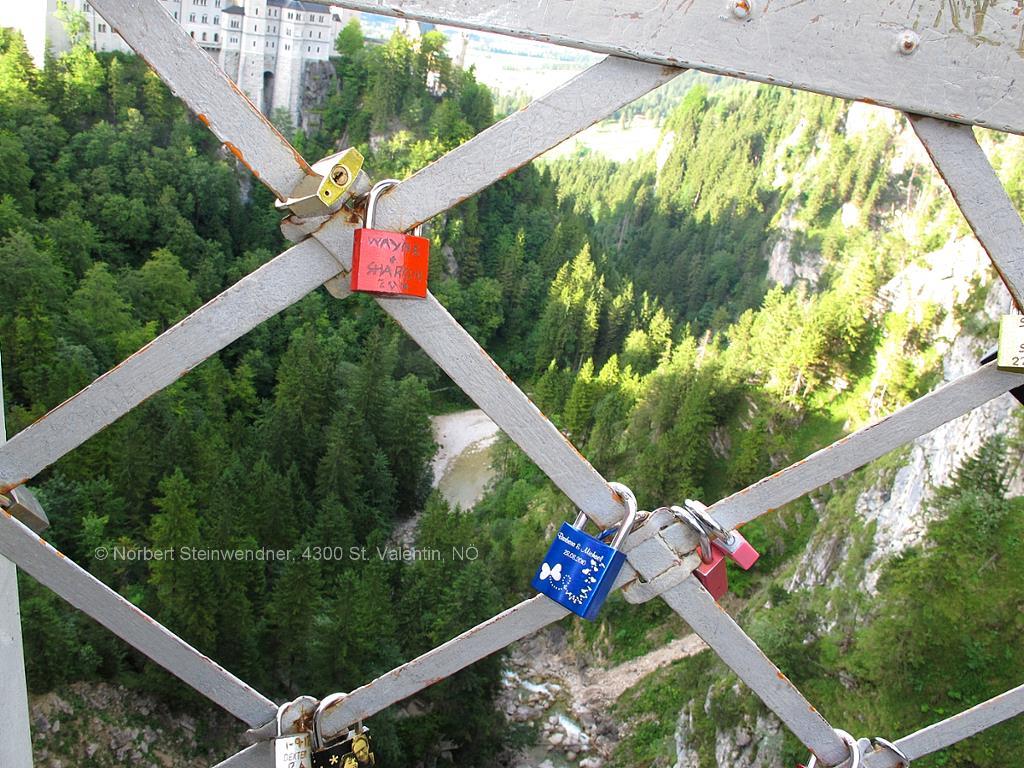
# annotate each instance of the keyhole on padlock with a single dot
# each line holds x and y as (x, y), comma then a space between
(340, 175)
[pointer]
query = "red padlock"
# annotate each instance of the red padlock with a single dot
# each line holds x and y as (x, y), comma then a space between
(712, 575)
(712, 569)
(384, 262)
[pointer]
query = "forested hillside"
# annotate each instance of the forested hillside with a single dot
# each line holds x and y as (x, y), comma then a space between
(693, 321)
(119, 214)
(719, 379)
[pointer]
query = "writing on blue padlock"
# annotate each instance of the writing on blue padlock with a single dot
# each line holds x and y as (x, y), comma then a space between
(579, 569)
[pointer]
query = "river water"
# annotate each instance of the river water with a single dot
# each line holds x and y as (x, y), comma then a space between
(462, 464)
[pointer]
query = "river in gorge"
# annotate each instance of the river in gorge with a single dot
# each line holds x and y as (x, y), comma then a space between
(565, 699)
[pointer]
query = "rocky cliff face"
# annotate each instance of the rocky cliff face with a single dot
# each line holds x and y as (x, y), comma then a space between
(959, 288)
(896, 501)
(106, 726)
(756, 742)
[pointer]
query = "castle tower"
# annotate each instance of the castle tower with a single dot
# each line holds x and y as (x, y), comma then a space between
(256, 66)
(33, 19)
(290, 57)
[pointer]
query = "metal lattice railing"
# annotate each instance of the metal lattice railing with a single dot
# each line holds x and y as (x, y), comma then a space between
(884, 60)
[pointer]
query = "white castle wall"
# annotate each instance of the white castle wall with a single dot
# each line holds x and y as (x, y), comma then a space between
(266, 46)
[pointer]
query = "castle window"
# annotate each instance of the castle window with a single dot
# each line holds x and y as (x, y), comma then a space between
(216, 19)
(205, 17)
(192, 18)
(216, 37)
(216, 3)
(204, 35)
(101, 27)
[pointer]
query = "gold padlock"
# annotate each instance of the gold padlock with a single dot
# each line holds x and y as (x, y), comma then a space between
(340, 176)
(1011, 343)
(22, 504)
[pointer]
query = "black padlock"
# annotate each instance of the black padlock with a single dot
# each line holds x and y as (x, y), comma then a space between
(353, 751)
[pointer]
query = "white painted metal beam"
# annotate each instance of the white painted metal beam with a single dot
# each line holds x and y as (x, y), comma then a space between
(980, 195)
(257, 297)
(855, 450)
(15, 733)
(15, 730)
(443, 661)
(956, 728)
(90, 595)
(710, 621)
(497, 151)
(197, 80)
(257, 756)
(491, 636)
(949, 60)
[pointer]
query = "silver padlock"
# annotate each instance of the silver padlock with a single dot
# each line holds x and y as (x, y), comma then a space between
(294, 750)
(23, 506)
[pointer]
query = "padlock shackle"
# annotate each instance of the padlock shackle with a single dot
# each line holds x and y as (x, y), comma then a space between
(704, 546)
(280, 714)
(324, 703)
(711, 526)
(631, 512)
(371, 202)
(628, 521)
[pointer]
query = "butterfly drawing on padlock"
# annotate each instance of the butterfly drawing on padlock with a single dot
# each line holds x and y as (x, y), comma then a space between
(555, 574)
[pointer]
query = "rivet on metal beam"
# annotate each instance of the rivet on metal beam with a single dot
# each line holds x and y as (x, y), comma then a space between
(909, 40)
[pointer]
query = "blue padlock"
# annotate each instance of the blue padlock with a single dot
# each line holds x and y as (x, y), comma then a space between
(579, 570)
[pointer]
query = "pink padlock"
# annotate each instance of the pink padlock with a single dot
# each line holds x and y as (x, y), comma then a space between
(737, 549)
(732, 543)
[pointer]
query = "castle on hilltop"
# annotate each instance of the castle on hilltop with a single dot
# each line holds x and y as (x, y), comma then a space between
(273, 49)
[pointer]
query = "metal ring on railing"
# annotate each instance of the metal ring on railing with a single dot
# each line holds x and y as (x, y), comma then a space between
(853, 761)
(704, 548)
(885, 744)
